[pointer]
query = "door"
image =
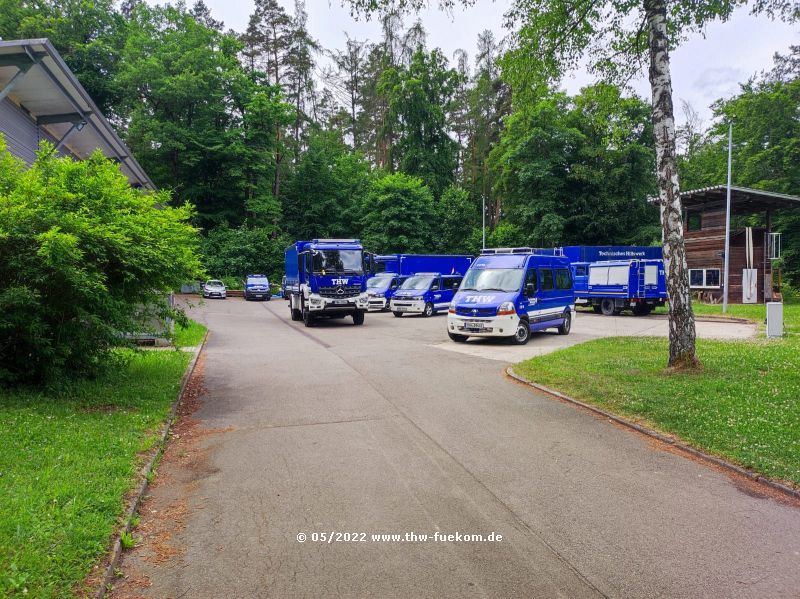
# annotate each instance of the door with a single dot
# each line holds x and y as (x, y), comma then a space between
(549, 305)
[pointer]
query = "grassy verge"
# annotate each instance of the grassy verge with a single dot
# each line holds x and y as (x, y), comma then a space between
(742, 406)
(67, 457)
(190, 335)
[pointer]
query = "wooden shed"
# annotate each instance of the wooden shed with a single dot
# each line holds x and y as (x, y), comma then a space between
(752, 248)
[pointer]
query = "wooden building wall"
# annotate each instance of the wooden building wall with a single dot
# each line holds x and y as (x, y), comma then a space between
(705, 249)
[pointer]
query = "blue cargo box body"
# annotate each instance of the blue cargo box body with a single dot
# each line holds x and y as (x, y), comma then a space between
(599, 253)
(611, 286)
(411, 264)
(512, 292)
(326, 277)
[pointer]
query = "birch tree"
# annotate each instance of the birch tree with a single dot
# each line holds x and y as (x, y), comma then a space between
(616, 39)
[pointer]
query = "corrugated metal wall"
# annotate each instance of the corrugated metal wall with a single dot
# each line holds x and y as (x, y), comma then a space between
(21, 133)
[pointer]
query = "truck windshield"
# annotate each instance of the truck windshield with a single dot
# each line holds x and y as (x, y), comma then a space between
(327, 261)
(417, 282)
(493, 279)
(381, 283)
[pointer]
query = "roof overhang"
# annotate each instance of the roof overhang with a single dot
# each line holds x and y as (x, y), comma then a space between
(744, 200)
(35, 77)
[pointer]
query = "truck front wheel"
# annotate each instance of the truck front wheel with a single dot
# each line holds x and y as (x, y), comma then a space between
(308, 317)
(358, 318)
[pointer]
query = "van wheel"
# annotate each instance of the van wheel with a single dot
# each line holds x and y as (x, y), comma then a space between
(566, 325)
(397, 314)
(457, 338)
(523, 334)
(358, 318)
(428, 310)
(607, 307)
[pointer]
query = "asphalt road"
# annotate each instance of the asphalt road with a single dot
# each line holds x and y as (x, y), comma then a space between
(377, 429)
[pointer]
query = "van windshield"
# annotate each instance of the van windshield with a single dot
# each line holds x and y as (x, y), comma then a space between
(333, 261)
(257, 281)
(417, 282)
(381, 283)
(493, 279)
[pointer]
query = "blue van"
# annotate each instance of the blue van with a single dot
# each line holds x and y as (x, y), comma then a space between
(511, 292)
(256, 287)
(381, 288)
(424, 293)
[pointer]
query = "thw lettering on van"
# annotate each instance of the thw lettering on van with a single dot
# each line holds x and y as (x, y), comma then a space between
(339, 281)
(479, 299)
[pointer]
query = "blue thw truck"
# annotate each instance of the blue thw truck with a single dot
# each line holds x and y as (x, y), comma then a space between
(511, 292)
(394, 269)
(326, 278)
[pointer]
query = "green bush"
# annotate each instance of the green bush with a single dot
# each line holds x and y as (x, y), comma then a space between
(83, 257)
(234, 253)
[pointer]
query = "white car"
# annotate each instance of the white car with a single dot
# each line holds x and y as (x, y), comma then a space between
(214, 288)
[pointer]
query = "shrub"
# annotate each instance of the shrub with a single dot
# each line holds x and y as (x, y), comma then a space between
(234, 253)
(83, 257)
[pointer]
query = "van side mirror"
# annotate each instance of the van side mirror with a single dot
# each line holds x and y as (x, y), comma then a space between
(530, 289)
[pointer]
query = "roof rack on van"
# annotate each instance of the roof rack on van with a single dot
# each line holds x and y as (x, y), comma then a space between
(335, 241)
(524, 250)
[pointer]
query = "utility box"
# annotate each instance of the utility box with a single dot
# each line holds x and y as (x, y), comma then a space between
(774, 319)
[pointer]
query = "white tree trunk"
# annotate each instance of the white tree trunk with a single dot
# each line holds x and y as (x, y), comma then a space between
(681, 319)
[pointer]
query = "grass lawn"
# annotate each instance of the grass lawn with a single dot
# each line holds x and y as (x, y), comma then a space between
(190, 335)
(67, 457)
(744, 405)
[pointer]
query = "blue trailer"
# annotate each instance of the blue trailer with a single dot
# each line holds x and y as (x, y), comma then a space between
(611, 286)
(392, 271)
(600, 253)
(326, 278)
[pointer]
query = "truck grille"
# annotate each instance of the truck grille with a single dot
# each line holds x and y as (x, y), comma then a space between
(461, 311)
(347, 291)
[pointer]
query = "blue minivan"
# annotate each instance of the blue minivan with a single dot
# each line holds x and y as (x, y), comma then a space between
(381, 288)
(256, 287)
(511, 292)
(424, 293)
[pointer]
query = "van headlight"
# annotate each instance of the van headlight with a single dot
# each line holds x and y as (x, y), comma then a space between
(451, 309)
(506, 309)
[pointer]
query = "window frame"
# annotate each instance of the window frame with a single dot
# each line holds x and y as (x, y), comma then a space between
(705, 284)
(542, 272)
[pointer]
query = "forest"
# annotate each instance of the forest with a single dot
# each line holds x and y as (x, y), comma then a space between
(272, 138)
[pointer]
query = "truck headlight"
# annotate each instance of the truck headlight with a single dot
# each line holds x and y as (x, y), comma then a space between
(506, 309)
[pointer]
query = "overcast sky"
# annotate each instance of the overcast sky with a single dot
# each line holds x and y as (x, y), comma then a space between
(703, 69)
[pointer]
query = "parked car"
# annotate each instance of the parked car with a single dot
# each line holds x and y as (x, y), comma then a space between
(215, 288)
(256, 287)
(424, 293)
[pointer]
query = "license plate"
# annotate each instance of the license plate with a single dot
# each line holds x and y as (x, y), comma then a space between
(473, 326)
(339, 301)
(401, 309)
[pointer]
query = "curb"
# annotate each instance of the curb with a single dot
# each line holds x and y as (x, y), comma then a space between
(133, 505)
(720, 462)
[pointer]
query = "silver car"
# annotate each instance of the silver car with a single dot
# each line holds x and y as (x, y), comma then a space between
(215, 288)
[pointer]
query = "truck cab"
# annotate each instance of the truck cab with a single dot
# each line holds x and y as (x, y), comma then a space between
(326, 278)
(512, 292)
(381, 288)
(424, 293)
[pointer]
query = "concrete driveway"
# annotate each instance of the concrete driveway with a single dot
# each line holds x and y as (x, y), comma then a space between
(376, 430)
(588, 325)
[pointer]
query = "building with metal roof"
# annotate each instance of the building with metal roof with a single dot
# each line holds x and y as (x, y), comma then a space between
(40, 99)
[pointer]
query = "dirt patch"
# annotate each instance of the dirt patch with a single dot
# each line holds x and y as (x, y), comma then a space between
(171, 496)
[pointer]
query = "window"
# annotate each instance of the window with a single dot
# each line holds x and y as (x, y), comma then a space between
(547, 279)
(493, 279)
(530, 279)
(704, 277)
(650, 274)
(337, 261)
(563, 279)
(452, 283)
(435, 286)
(580, 271)
(694, 221)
